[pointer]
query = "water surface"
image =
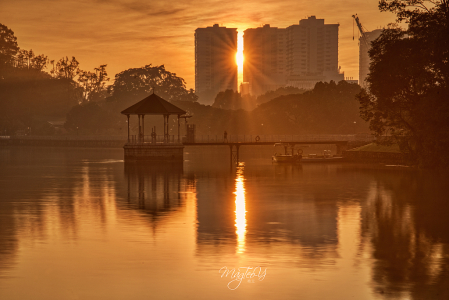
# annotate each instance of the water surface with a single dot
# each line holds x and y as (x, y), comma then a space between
(80, 224)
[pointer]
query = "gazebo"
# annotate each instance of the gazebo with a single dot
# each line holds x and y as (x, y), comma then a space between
(138, 148)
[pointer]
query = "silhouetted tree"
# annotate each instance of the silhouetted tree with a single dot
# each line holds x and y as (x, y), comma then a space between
(27, 59)
(329, 108)
(136, 83)
(8, 45)
(270, 95)
(67, 69)
(408, 93)
(91, 118)
(228, 100)
(27, 94)
(93, 84)
(8, 49)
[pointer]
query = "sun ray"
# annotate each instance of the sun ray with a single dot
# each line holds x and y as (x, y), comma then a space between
(239, 58)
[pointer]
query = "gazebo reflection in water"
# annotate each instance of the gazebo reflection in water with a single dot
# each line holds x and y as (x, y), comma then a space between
(154, 188)
(151, 147)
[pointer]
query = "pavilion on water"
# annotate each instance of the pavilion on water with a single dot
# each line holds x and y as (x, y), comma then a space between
(152, 147)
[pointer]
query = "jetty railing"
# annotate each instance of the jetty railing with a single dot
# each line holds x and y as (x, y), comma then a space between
(215, 139)
(156, 140)
(70, 137)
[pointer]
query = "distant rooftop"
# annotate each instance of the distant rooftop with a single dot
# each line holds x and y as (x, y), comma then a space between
(153, 105)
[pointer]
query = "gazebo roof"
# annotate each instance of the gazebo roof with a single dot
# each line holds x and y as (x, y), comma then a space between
(153, 105)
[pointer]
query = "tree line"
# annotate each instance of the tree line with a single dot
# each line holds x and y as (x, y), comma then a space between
(329, 108)
(406, 99)
(35, 90)
(407, 96)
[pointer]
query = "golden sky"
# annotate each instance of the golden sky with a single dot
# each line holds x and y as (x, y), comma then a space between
(132, 33)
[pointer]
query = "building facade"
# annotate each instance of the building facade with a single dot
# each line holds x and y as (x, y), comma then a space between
(264, 67)
(364, 60)
(215, 64)
(299, 55)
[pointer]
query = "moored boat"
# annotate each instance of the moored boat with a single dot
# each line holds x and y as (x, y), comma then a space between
(287, 157)
(326, 157)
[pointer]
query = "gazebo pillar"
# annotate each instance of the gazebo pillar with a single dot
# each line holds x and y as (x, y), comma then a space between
(138, 134)
(165, 128)
(128, 126)
(178, 131)
(143, 128)
(166, 136)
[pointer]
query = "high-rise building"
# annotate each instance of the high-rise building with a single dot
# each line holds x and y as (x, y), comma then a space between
(299, 55)
(265, 51)
(364, 46)
(215, 64)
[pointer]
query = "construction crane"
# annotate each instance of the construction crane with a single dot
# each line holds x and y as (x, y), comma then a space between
(362, 32)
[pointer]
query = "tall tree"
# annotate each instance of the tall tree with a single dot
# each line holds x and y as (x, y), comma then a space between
(27, 59)
(407, 98)
(133, 84)
(8, 48)
(67, 68)
(228, 100)
(94, 84)
(288, 90)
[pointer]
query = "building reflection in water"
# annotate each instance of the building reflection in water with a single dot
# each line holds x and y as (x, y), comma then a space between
(278, 211)
(240, 209)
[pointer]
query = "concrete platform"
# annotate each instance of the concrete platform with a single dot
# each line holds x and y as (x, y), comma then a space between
(151, 152)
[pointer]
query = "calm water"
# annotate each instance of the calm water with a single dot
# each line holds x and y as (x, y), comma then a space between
(79, 224)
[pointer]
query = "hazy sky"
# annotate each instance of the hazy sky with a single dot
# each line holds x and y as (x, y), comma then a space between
(132, 33)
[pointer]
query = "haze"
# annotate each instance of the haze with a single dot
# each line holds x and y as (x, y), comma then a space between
(126, 34)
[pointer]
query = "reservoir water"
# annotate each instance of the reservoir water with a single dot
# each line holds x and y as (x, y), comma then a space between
(80, 224)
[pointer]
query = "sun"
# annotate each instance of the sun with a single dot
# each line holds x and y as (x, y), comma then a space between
(239, 60)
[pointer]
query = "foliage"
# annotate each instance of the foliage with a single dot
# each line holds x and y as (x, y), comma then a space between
(408, 94)
(29, 92)
(67, 69)
(8, 46)
(135, 84)
(27, 59)
(94, 84)
(228, 100)
(28, 95)
(90, 118)
(328, 109)
(270, 95)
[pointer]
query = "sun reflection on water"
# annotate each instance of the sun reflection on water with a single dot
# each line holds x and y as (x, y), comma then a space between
(240, 209)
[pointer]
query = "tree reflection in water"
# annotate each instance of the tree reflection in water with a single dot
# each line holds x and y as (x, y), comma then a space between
(405, 220)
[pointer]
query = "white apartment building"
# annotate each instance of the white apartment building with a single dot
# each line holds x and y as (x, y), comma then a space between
(364, 60)
(299, 55)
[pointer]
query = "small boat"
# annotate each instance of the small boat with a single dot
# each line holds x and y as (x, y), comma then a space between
(326, 157)
(291, 157)
(286, 158)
